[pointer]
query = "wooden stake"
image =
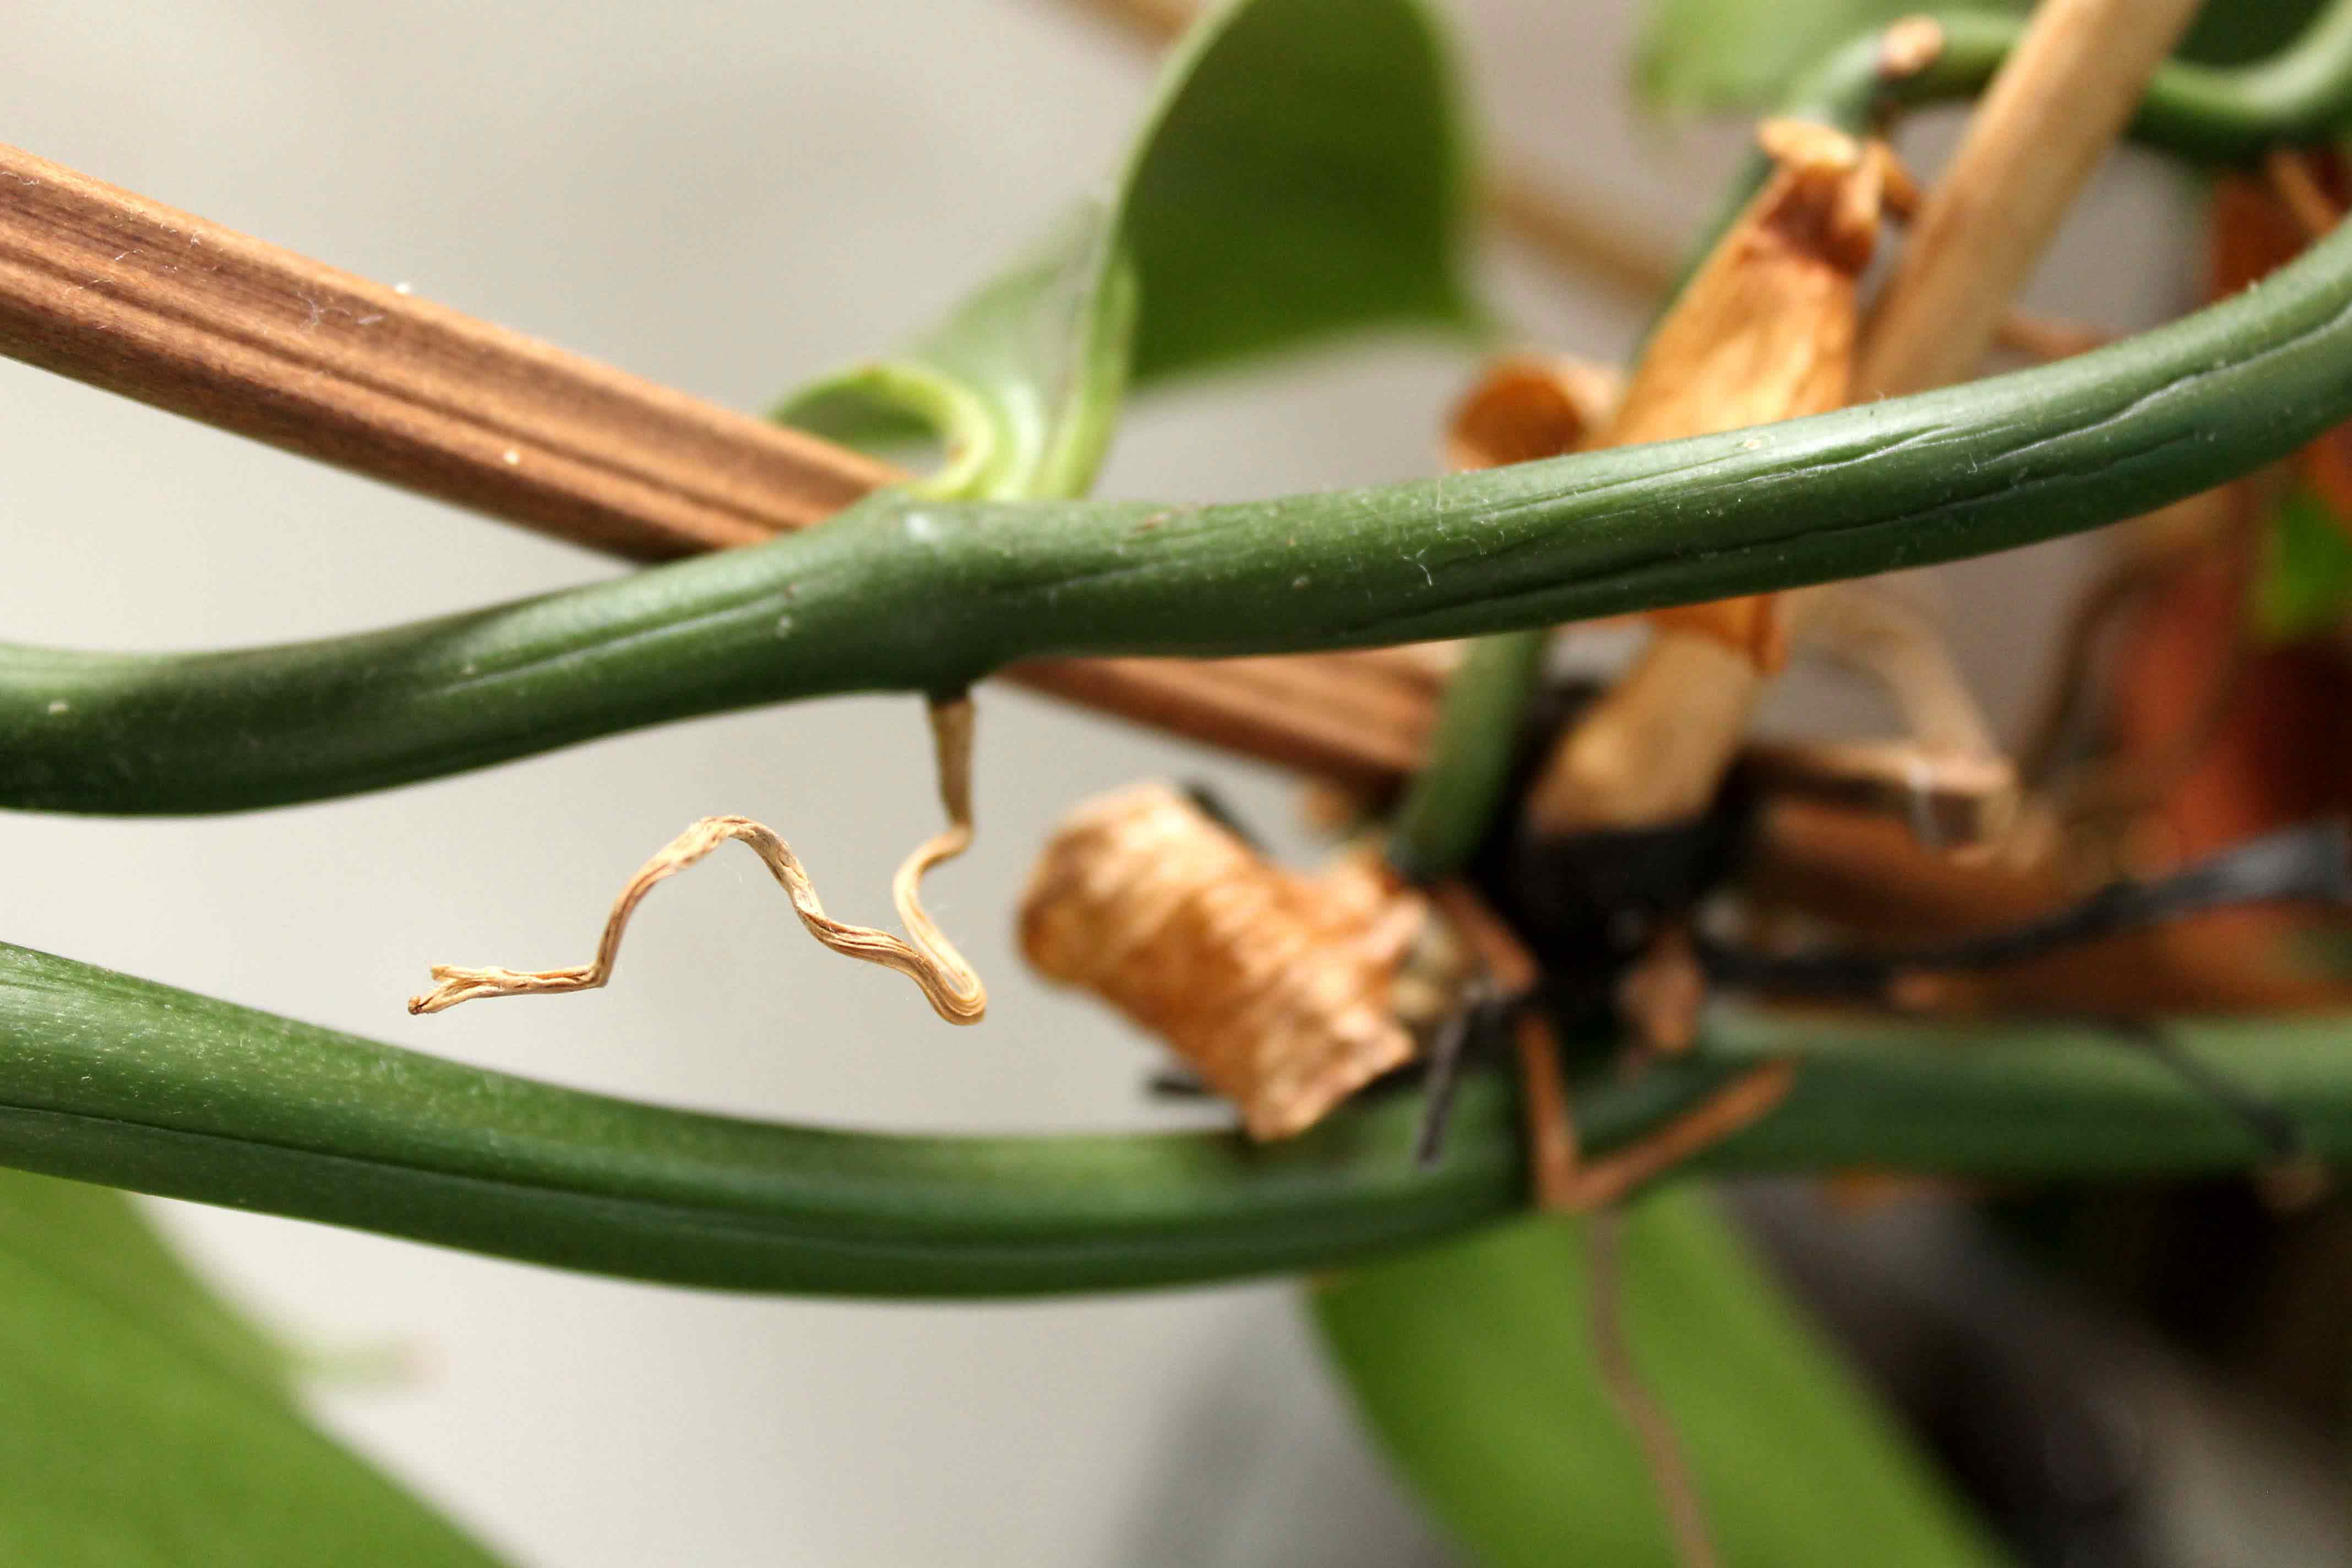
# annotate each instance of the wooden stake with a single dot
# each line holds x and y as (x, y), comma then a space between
(127, 294)
(2064, 96)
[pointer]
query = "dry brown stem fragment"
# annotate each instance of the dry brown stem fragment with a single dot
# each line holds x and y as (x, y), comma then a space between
(948, 982)
(1660, 995)
(1910, 47)
(1543, 1086)
(1279, 990)
(2296, 183)
(1741, 1103)
(1653, 1428)
(1530, 406)
(2048, 338)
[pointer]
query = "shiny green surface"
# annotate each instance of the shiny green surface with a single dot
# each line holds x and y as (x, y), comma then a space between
(908, 593)
(107, 1079)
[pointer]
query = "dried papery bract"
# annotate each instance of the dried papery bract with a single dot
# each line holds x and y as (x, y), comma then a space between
(1281, 991)
(1530, 406)
(1765, 332)
(948, 982)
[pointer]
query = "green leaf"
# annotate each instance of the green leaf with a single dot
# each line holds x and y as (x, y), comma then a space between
(1704, 56)
(1301, 175)
(142, 1422)
(1476, 1364)
(2304, 584)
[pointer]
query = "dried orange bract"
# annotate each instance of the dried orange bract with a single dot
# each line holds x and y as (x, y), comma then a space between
(1281, 991)
(1766, 330)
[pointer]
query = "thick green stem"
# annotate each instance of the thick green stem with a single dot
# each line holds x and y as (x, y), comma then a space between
(1444, 816)
(910, 594)
(107, 1079)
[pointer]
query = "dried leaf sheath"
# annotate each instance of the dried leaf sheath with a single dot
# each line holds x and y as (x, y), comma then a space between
(1765, 332)
(1279, 990)
(948, 982)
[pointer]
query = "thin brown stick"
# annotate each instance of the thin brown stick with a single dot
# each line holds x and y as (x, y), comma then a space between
(1740, 1103)
(1343, 717)
(1653, 1427)
(2047, 338)
(1543, 1086)
(2290, 174)
(2057, 104)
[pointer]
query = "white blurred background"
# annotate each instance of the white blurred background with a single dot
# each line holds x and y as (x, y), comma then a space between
(731, 197)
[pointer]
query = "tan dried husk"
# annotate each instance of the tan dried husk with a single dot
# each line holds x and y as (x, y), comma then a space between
(1766, 329)
(1282, 992)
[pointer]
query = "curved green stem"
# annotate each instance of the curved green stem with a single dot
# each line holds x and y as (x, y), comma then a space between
(1444, 814)
(910, 594)
(2196, 112)
(108, 1078)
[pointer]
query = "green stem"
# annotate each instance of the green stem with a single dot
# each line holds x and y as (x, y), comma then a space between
(108, 1078)
(1445, 815)
(910, 594)
(2196, 112)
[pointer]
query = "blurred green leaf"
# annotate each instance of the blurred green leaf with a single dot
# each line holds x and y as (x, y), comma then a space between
(1475, 1362)
(2304, 582)
(1707, 57)
(1302, 174)
(142, 1422)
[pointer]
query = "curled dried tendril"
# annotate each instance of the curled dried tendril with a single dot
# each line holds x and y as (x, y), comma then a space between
(947, 980)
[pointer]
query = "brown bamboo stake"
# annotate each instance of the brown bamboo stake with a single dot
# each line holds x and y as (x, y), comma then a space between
(2055, 107)
(143, 300)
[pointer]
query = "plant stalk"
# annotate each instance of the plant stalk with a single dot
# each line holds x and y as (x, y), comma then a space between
(111, 1079)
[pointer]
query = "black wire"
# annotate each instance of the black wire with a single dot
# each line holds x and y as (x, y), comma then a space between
(2311, 862)
(1210, 802)
(2281, 1136)
(1447, 1047)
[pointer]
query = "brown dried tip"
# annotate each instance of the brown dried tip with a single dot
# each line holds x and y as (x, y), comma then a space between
(1910, 47)
(948, 982)
(1528, 407)
(1279, 990)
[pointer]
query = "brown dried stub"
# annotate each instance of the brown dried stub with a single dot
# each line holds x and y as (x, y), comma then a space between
(1527, 407)
(1286, 994)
